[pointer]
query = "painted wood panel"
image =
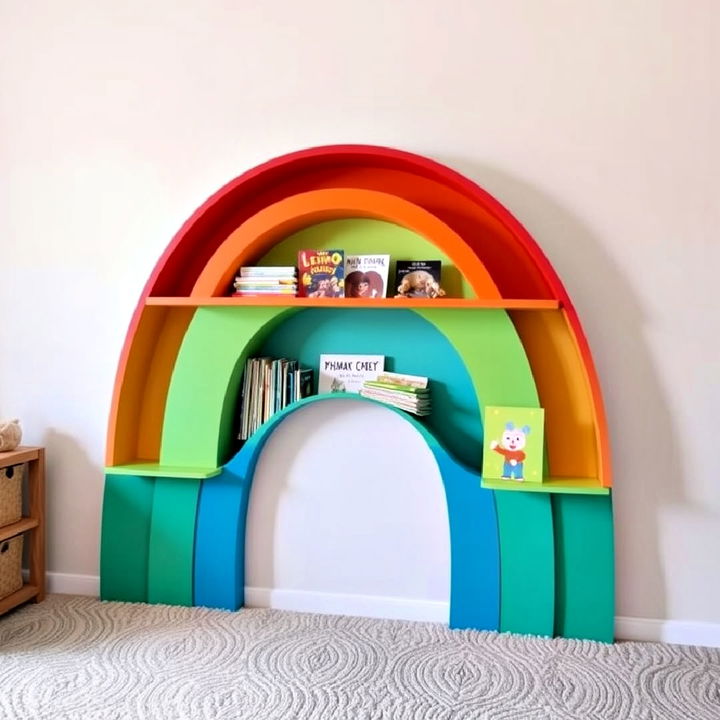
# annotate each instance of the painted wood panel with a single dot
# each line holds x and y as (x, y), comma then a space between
(127, 510)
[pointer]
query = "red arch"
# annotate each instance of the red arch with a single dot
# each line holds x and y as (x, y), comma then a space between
(513, 258)
(515, 261)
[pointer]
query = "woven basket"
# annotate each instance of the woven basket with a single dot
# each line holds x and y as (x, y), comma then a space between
(11, 565)
(11, 494)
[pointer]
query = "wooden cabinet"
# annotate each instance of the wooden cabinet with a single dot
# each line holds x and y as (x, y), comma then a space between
(32, 525)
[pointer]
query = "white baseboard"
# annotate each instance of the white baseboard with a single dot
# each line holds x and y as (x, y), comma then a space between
(68, 584)
(677, 632)
(338, 604)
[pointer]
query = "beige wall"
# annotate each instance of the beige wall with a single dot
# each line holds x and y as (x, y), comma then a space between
(595, 122)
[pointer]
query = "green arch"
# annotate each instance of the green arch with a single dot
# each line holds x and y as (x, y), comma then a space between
(199, 422)
(197, 427)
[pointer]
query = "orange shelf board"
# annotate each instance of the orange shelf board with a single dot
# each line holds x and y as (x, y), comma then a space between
(461, 303)
(572, 486)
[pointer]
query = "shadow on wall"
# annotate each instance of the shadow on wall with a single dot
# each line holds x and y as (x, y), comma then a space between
(644, 446)
(74, 491)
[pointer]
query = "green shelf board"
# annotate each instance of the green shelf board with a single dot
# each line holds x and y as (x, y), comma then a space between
(149, 469)
(571, 486)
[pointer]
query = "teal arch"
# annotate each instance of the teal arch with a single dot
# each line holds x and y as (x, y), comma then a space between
(418, 349)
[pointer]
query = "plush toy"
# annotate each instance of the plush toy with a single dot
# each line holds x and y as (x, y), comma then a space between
(10, 435)
(419, 283)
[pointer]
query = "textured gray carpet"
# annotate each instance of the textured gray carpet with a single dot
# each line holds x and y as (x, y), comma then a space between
(75, 657)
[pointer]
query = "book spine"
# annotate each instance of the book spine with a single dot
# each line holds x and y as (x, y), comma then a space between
(407, 389)
(245, 398)
(416, 381)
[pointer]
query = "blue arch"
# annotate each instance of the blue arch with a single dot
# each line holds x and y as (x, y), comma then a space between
(219, 572)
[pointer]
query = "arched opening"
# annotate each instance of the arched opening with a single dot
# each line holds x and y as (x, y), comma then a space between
(340, 521)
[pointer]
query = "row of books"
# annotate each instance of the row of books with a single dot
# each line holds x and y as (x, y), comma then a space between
(406, 392)
(255, 281)
(330, 273)
(269, 386)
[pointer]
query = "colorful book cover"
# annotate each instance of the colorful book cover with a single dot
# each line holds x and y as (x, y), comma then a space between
(347, 373)
(366, 276)
(321, 273)
(514, 444)
(418, 278)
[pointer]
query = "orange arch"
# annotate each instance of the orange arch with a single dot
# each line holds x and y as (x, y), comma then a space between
(260, 232)
(135, 429)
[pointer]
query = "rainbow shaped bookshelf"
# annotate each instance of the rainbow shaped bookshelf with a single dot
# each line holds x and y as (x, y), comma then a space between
(530, 560)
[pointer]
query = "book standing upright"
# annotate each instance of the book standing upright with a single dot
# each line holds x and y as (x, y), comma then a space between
(366, 276)
(321, 273)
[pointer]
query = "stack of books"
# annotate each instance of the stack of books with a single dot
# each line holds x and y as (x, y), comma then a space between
(406, 392)
(268, 386)
(254, 281)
